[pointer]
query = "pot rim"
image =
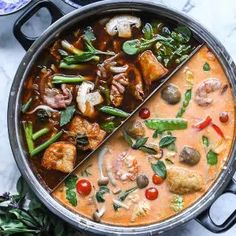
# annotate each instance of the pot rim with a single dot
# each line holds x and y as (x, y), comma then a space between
(15, 136)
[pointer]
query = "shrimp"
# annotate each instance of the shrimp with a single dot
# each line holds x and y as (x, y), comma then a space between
(126, 167)
(136, 83)
(204, 88)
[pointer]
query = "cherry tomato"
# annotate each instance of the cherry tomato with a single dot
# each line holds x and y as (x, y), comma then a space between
(224, 117)
(144, 113)
(151, 193)
(156, 179)
(83, 187)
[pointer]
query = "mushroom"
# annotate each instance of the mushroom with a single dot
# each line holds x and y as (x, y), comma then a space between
(98, 214)
(122, 25)
(86, 100)
(119, 69)
(142, 181)
(103, 180)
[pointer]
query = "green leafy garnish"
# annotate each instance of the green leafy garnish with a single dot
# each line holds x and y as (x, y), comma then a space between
(66, 115)
(205, 141)
(206, 66)
(184, 32)
(127, 138)
(108, 126)
(123, 195)
(70, 182)
(148, 150)
(88, 34)
(85, 171)
(147, 31)
(71, 197)
(160, 169)
(177, 203)
(100, 193)
(166, 141)
(139, 143)
(187, 99)
(212, 158)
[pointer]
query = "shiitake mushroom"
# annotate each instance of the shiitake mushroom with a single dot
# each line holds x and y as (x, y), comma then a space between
(189, 156)
(135, 129)
(171, 94)
(142, 181)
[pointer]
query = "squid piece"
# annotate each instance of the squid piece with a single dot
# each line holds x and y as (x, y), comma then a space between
(182, 181)
(118, 84)
(204, 88)
(152, 69)
(81, 127)
(60, 156)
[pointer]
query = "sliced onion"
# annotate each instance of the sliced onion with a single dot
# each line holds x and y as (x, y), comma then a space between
(44, 107)
(119, 69)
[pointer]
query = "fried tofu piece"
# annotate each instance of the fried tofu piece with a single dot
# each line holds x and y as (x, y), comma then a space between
(60, 156)
(152, 69)
(81, 127)
(181, 180)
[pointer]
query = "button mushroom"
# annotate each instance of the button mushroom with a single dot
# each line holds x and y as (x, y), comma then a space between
(98, 214)
(122, 25)
(171, 94)
(103, 180)
(87, 100)
(189, 156)
(142, 181)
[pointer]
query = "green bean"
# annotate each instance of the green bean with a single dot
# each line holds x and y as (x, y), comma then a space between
(46, 144)
(25, 107)
(164, 124)
(40, 133)
(187, 98)
(114, 111)
(28, 129)
(60, 79)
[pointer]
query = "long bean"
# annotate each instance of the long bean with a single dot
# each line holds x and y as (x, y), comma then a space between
(40, 133)
(25, 107)
(46, 144)
(60, 79)
(114, 111)
(28, 129)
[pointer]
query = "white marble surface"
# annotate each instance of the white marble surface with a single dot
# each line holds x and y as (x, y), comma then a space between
(218, 16)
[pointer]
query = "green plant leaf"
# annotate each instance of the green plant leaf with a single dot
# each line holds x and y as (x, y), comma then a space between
(127, 138)
(212, 158)
(139, 143)
(71, 197)
(66, 115)
(100, 193)
(205, 141)
(206, 66)
(147, 31)
(70, 182)
(166, 141)
(160, 169)
(148, 150)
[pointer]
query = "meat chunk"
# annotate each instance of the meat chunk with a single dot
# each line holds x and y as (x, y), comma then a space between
(81, 127)
(60, 156)
(181, 180)
(152, 69)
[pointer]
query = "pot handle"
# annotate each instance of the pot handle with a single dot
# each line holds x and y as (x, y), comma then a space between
(205, 219)
(24, 40)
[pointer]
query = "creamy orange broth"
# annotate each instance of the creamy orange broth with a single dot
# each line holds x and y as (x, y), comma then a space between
(160, 208)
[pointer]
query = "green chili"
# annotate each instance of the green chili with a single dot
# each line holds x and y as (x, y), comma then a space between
(165, 124)
(187, 98)
(114, 111)
(40, 133)
(28, 129)
(46, 144)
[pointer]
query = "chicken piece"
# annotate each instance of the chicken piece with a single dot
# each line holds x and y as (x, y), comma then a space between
(81, 127)
(60, 156)
(181, 180)
(118, 84)
(152, 69)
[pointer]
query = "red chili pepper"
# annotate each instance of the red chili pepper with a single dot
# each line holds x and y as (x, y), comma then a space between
(218, 130)
(203, 124)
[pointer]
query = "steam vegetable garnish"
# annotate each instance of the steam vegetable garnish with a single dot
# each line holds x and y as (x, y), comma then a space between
(70, 184)
(212, 157)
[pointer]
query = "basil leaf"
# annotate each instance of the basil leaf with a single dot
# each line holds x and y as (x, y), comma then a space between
(166, 141)
(160, 169)
(139, 143)
(70, 182)
(206, 67)
(66, 115)
(108, 126)
(101, 192)
(127, 138)
(185, 32)
(148, 150)
(205, 141)
(71, 197)
(212, 158)
(147, 31)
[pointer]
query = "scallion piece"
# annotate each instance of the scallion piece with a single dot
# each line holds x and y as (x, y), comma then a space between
(60, 79)
(63, 65)
(40, 133)
(25, 107)
(28, 129)
(46, 144)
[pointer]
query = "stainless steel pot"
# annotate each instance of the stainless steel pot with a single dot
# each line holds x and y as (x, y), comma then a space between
(199, 210)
